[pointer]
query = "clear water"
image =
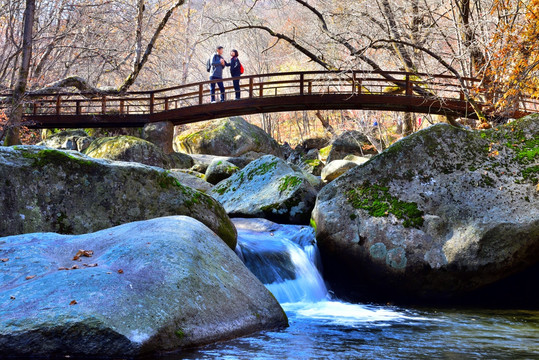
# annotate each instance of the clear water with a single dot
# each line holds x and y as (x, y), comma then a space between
(321, 328)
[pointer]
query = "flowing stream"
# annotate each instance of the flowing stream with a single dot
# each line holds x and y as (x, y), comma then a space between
(285, 258)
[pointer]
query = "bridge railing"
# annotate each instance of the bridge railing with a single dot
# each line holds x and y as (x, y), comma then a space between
(444, 87)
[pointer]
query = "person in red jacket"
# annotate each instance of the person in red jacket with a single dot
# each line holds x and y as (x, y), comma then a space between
(235, 72)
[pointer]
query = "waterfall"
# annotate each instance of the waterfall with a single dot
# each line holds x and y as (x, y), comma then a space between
(284, 257)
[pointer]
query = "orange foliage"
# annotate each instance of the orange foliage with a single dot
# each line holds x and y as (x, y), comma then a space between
(513, 72)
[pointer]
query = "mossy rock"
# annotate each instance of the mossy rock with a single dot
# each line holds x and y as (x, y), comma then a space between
(267, 188)
(220, 170)
(228, 137)
(133, 149)
(440, 213)
(67, 192)
(349, 143)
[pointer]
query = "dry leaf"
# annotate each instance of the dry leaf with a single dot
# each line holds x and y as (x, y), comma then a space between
(73, 302)
(86, 253)
(75, 267)
(4, 260)
(63, 268)
(29, 277)
(90, 265)
(120, 271)
(12, 297)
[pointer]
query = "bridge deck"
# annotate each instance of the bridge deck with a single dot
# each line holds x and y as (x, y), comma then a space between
(296, 91)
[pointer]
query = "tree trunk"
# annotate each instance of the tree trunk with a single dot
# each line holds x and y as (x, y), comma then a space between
(408, 125)
(16, 111)
(325, 123)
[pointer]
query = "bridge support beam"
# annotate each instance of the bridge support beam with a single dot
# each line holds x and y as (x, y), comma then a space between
(160, 134)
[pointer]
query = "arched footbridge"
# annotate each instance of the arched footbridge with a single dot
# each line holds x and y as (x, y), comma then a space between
(279, 92)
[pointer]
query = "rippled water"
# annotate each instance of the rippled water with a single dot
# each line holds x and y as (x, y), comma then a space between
(320, 328)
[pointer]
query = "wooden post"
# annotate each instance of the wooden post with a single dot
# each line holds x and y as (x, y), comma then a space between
(462, 97)
(251, 87)
(152, 102)
(58, 105)
(261, 89)
(408, 85)
(200, 94)
(359, 86)
(35, 108)
(301, 83)
(166, 104)
(103, 105)
(122, 106)
(353, 82)
(77, 107)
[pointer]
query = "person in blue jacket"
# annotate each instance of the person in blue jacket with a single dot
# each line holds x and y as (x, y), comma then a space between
(235, 72)
(217, 64)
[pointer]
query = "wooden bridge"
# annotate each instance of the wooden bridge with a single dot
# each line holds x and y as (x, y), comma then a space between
(291, 91)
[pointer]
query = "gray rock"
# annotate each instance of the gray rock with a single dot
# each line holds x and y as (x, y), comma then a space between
(203, 161)
(132, 149)
(357, 159)
(156, 285)
(267, 188)
(67, 192)
(348, 143)
(193, 181)
(440, 213)
(160, 134)
(220, 170)
(336, 168)
(228, 137)
(77, 140)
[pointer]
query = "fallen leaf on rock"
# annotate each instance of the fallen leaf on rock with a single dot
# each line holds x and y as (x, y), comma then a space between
(73, 302)
(63, 268)
(75, 267)
(12, 297)
(4, 260)
(29, 277)
(86, 253)
(120, 271)
(90, 265)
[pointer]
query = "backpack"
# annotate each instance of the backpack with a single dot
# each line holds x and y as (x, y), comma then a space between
(242, 70)
(208, 64)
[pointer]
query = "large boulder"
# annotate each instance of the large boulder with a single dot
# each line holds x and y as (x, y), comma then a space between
(220, 170)
(77, 140)
(267, 188)
(349, 143)
(440, 213)
(133, 149)
(228, 137)
(160, 134)
(66, 192)
(156, 285)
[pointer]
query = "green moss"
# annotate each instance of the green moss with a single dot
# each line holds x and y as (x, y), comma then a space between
(314, 162)
(62, 224)
(324, 152)
(222, 189)
(166, 181)
(531, 174)
(378, 202)
(179, 333)
(289, 182)
(313, 224)
(55, 157)
(261, 169)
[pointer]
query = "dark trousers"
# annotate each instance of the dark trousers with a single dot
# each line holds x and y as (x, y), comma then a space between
(237, 88)
(221, 88)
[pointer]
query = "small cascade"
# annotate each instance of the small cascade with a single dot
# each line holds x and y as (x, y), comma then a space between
(284, 257)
